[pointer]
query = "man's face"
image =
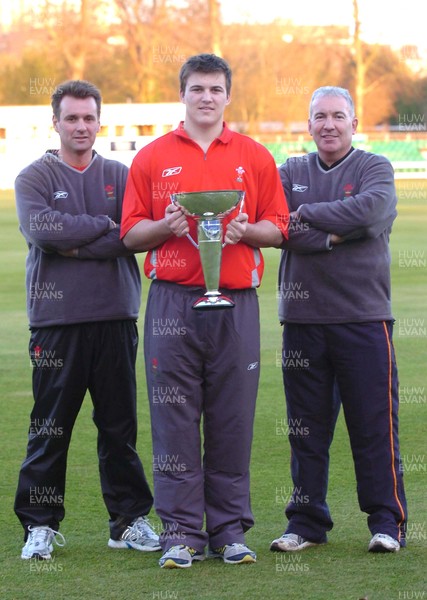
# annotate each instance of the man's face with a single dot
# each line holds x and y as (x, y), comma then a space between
(332, 126)
(77, 125)
(205, 98)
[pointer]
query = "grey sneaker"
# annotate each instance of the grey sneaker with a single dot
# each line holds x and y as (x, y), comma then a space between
(180, 557)
(290, 542)
(39, 542)
(233, 554)
(381, 542)
(138, 535)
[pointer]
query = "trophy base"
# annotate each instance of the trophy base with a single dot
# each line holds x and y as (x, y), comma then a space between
(213, 302)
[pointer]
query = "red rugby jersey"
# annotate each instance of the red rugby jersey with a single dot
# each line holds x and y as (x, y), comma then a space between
(175, 163)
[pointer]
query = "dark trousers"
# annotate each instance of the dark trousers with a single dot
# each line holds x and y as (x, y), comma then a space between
(67, 362)
(202, 369)
(360, 358)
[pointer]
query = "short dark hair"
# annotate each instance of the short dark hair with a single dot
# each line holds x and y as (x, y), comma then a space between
(77, 89)
(204, 63)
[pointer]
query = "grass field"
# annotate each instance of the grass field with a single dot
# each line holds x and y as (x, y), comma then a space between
(343, 569)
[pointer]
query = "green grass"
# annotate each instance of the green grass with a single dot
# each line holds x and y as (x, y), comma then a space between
(342, 570)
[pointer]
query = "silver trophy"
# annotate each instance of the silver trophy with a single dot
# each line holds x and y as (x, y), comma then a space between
(209, 209)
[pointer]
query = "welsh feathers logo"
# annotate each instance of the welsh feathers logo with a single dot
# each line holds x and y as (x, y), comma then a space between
(240, 172)
(37, 352)
(110, 192)
(348, 190)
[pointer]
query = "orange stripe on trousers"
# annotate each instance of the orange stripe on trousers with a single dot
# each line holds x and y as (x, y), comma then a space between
(390, 401)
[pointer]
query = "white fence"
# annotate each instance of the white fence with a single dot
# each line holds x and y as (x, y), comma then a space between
(21, 154)
(26, 132)
(414, 169)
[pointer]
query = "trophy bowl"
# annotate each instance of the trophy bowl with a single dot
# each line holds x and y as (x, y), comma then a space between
(197, 204)
(209, 209)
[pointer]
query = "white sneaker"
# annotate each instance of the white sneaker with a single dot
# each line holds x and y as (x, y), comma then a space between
(138, 535)
(233, 554)
(381, 542)
(39, 542)
(180, 557)
(290, 542)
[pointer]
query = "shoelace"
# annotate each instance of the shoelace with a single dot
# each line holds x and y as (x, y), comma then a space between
(42, 535)
(240, 547)
(236, 545)
(175, 549)
(295, 541)
(142, 525)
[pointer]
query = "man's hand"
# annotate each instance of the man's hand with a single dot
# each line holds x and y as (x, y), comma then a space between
(69, 253)
(336, 239)
(176, 220)
(236, 229)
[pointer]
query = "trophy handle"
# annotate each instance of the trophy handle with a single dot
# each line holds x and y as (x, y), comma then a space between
(195, 244)
(242, 201)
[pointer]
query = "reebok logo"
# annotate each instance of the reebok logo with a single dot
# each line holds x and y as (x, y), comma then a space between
(60, 194)
(297, 187)
(171, 171)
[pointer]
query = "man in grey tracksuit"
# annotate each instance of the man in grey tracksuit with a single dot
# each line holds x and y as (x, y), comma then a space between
(334, 286)
(83, 298)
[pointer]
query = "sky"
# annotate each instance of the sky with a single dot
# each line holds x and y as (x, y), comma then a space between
(382, 21)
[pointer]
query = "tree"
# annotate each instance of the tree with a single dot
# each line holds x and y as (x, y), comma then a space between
(377, 74)
(136, 54)
(215, 26)
(82, 22)
(32, 81)
(160, 36)
(360, 67)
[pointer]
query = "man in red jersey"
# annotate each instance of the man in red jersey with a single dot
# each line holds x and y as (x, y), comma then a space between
(202, 364)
